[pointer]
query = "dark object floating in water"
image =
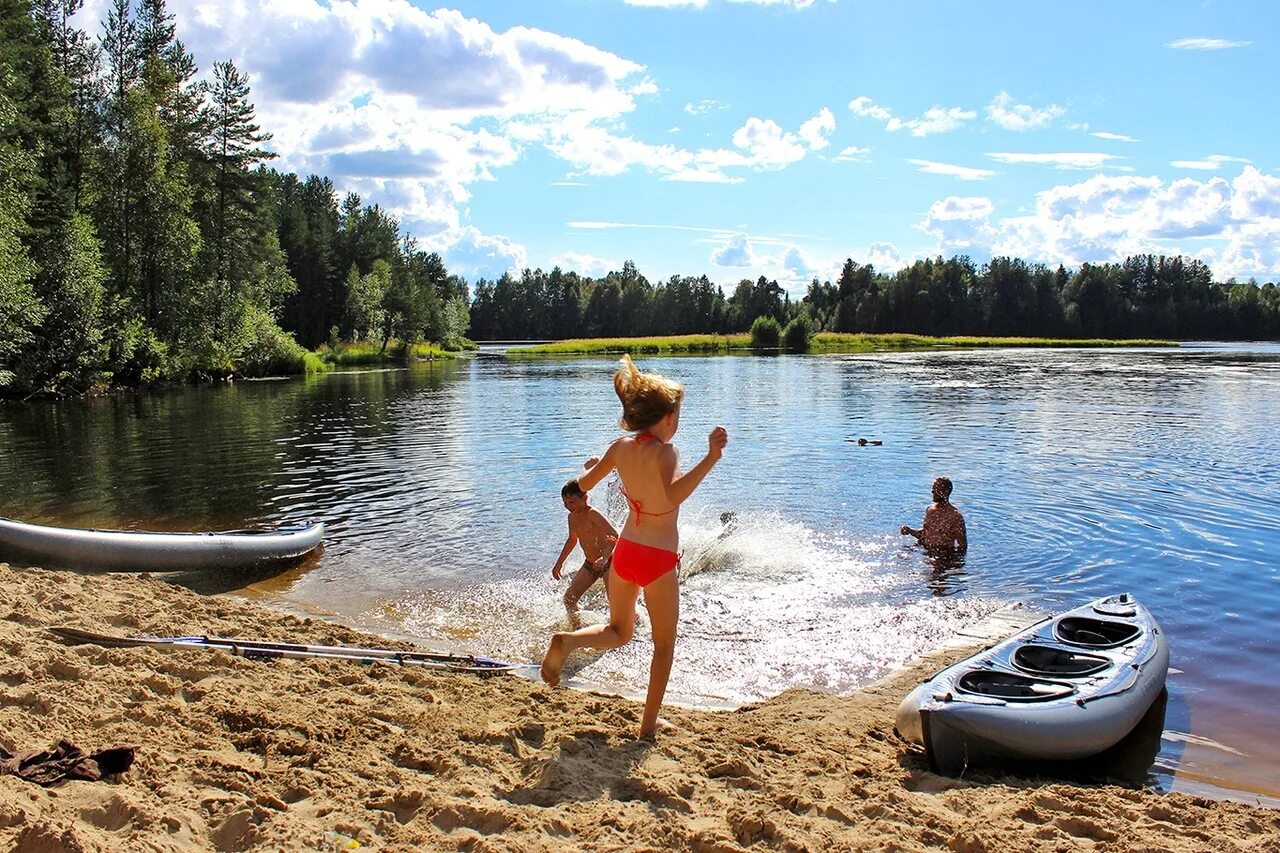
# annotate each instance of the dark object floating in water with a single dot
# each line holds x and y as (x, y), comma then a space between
(1069, 687)
(139, 551)
(863, 442)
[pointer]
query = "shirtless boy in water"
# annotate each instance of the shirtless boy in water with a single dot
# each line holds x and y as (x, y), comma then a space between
(590, 529)
(943, 526)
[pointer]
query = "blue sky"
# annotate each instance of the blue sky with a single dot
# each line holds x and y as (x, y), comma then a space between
(740, 138)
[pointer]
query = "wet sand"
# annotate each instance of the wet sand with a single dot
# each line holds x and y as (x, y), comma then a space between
(236, 754)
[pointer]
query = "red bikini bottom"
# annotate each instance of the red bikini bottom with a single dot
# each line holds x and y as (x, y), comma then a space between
(642, 564)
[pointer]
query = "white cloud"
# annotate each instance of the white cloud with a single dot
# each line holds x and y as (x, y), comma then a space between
(854, 154)
(815, 131)
(736, 252)
(667, 4)
(1232, 225)
(705, 106)
(587, 265)
(798, 264)
(884, 257)
(1073, 160)
(960, 224)
(769, 146)
(964, 173)
(1209, 164)
(1205, 44)
(476, 255)
(1012, 116)
(407, 107)
(935, 119)
(1114, 137)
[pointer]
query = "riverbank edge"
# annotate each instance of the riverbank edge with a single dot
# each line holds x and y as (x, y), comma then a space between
(235, 753)
(823, 342)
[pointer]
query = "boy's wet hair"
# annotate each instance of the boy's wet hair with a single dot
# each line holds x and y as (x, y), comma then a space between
(571, 489)
(945, 482)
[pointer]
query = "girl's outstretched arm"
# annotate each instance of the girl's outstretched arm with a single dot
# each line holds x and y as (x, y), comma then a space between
(598, 471)
(679, 489)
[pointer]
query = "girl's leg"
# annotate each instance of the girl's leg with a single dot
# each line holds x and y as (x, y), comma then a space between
(622, 623)
(662, 599)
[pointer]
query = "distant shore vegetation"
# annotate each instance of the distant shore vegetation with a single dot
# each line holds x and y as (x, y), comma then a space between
(144, 239)
(834, 342)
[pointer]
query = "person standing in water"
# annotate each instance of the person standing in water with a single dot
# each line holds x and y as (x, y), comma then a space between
(943, 527)
(647, 552)
(590, 529)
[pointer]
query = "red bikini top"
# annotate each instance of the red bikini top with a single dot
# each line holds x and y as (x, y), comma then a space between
(635, 504)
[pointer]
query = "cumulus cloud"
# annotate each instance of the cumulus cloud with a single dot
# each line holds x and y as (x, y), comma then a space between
(964, 173)
(1072, 160)
(935, 119)
(1009, 115)
(1232, 225)
(884, 257)
(587, 265)
(815, 131)
(736, 252)
(960, 224)
(1205, 44)
(1209, 164)
(477, 255)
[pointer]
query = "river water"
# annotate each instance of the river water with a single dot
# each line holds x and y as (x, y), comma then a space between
(1080, 472)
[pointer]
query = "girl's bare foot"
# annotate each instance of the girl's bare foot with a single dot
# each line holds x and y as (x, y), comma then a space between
(662, 725)
(554, 660)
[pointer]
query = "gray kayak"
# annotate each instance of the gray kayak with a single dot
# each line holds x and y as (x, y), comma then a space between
(142, 551)
(1069, 687)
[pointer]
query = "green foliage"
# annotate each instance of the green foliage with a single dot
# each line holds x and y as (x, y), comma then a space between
(796, 335)
(271, 351)
(656, 345)
(765, 333)
(21, 311)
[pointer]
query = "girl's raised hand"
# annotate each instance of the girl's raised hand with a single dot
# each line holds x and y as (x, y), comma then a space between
(716, 441)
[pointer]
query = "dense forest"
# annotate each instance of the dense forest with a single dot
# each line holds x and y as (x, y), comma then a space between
(1144, 297)
(145, 238)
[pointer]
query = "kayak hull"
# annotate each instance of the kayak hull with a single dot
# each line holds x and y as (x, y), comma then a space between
(1069, 687)
(142, 551)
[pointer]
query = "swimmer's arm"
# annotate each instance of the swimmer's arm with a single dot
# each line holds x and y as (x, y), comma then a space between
(598, 471)
(962, 535)
(564, 552)
(678, 489)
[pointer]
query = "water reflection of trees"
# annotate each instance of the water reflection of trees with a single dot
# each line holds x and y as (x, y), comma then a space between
(199, 458)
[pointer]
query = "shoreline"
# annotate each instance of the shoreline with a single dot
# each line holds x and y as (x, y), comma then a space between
(234, 753)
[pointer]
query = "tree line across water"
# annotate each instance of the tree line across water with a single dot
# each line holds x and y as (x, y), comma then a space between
(1146, 296)
(143, 238)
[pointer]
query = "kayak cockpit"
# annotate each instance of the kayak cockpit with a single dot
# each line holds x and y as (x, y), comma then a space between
(1011, 687)
(1050, 660)
(1095, 633)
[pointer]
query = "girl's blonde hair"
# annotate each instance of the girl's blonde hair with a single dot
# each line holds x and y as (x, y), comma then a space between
(646, 397)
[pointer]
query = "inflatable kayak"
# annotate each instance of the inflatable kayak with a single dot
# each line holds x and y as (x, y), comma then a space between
(129, 550)
(1068, 687)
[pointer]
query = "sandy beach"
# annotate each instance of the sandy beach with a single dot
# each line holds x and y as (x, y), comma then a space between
(234, 754)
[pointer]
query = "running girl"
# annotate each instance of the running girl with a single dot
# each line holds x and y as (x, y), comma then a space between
(647, 552)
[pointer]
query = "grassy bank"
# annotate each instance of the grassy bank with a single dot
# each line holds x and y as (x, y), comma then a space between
(822, 342)
(372, 352)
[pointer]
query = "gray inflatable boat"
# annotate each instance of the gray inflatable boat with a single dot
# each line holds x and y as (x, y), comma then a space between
(1069, 687)
(139, 551)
